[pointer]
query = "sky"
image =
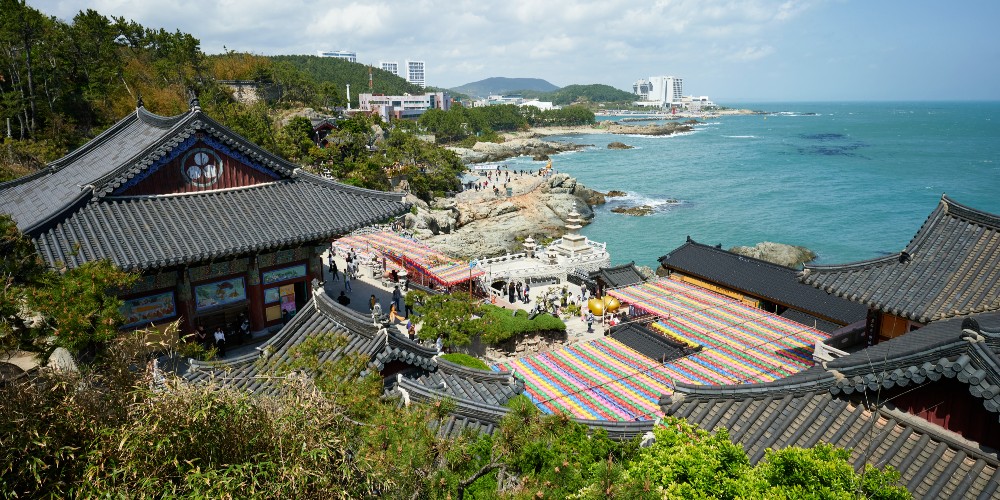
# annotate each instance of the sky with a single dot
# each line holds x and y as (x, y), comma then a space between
(729, 50)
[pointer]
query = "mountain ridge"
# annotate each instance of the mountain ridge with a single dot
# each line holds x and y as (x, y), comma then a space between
(501, 85)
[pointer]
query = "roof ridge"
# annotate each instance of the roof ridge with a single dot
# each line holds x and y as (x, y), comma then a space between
(732, 254)
(137, 197)
(961, 211)
(851, 265)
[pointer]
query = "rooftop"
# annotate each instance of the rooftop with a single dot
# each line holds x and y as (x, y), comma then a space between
(951, 267)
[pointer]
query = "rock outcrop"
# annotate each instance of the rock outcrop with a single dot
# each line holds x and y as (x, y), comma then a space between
(777, 253)
(492, 151)
(477, 224)
(618, 145)
(638, 210)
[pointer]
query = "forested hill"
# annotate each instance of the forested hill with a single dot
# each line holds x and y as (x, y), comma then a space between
(501, 85)
(582, 93)
(338, 72)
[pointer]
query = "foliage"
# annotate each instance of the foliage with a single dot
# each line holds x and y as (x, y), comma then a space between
(459, 123)
(510, 324)
(43, 308)
(453, 316)
(337, 73)
(595, 93)
(465, 360)
(686, 461)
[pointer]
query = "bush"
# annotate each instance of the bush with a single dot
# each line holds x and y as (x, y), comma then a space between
(507, 325)
(466, 361)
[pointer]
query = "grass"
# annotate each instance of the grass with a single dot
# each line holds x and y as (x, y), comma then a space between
(465, 360)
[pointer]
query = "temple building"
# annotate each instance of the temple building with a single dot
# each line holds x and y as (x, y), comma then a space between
(760, 284)
(950, 268)
(215, 225)
(925, 403)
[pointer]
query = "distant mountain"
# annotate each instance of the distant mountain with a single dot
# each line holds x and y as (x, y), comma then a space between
(501, 85)
(583, 93)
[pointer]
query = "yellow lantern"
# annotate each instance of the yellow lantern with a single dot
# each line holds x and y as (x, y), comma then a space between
(596, 306)
(611, 304)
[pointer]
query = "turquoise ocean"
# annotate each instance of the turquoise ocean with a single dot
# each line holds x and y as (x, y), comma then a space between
(851, 181)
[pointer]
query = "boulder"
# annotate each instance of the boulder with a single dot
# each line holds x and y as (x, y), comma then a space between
(638, 210)
(614, 193)
(618, 145)
(777, 253)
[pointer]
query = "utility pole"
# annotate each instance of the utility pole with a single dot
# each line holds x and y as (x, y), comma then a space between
(348, 96)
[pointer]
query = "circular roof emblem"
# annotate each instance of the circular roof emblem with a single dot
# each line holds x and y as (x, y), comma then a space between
(202, 167)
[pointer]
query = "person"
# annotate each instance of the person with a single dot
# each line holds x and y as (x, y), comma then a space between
(527, 288)
(520, 291)
(334, 271)
(220, 341)
(371, 303)
(394, 314)
(510, 293)
(344, 300)
(397, 297)
(439, 343)
(411, 330)
(590, 322)
(243, 323)
(201, 337)
(394, 275)
(347, 282)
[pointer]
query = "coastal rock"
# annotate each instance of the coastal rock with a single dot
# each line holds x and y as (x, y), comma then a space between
(443, 204)
(777, 253)
(614, 193)
(485, 226)
(491, 151)
(639, 210)
(668, 128)
(541, 157)
(618, 145)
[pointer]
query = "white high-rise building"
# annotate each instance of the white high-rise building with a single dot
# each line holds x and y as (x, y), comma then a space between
(661, 90)
(390, 66)
(415, 73)
(340, 54)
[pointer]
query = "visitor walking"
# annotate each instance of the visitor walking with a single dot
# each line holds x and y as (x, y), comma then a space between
(397, 298)
(347, 282)
(371, 303)
(590, 322)
(526, 290)
(334, 271)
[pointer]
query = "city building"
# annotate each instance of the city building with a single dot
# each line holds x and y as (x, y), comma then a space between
(340, 54)
(662, 91)
(403, 106)
(390, 66)
(415, 73)
(215, 226)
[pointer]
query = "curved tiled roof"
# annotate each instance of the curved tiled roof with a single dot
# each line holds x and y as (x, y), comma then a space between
(951, 267)
(618, 276)
(33, 199)
(71, 211)
(156, 231)
(759, 278)
(814, 406)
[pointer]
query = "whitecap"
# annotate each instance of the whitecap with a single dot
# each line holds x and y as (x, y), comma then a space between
(741, 136)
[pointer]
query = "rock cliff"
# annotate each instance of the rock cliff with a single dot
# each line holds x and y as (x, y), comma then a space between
(479, 224)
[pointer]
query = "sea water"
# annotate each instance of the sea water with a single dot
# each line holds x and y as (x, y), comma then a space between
(850, 181)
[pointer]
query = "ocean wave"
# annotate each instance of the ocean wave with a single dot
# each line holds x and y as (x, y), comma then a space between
(792, 113)
(741, 136)
(676, 134)
(633, 199)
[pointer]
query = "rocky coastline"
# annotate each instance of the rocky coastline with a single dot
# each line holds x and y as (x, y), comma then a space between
(476, 224)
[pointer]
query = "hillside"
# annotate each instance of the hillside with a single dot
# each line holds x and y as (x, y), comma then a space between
(339, 73)
(578, 93)
(502, 85)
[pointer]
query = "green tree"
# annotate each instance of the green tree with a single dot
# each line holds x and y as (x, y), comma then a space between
(453, 316)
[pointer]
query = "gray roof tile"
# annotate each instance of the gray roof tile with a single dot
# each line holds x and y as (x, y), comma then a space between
(951, 267)
(778, 284)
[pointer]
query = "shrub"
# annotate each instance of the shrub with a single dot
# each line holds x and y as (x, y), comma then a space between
(466, 361)
(507, 325)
